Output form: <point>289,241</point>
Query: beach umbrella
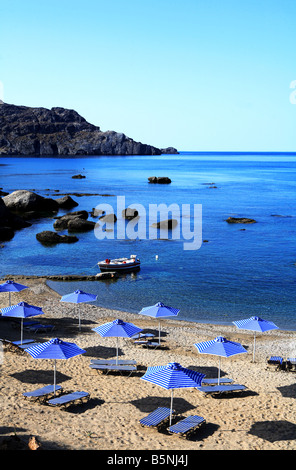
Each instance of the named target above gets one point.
<point>11,286</point>
<point>117,328</point>
<point>172,376</point>
<point>78,297</point>
<point>255,324</point>
<point>55,349</point>
<point>220,347</point>
<point>159,310</point>
<point>21,310</point>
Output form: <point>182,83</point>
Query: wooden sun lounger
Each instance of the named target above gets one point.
<point>42,393</point>
<point>68,399</point>
<point>187,426</point>
<point>114,368</point>
<point>157,418</point>
<point>220,389</point>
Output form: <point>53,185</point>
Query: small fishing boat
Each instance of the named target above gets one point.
<point>120,264</point>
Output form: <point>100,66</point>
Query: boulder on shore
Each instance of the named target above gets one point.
<point>51,238</point>
<point>240,220</point>
<point>159,180</point>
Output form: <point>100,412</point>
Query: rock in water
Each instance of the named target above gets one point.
<point>240,220</point>
<point>57,131</point>
<point>51,238</point>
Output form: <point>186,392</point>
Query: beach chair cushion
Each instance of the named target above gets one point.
<point>68,398</point>
<point>43,391</point>
<point>187,425</point>
<point>156,417</point>
<point>111,362</point>
<point>221,388</point>
<point>215,381</point>
<point>113,367</point>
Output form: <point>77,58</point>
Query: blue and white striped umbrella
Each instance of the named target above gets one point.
<point>172,376</point>
<point>159,310</point>
<point>55,349</point>
<point>119,329</point>
<point>21,310</point>
<point>221,347</point>
<point>11,286</point>
<point>255,324</point>
<point>78,297</point>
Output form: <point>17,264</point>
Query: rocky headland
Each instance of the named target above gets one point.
<point>57,131</point>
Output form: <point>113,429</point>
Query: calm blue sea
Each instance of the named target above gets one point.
<point>233,275</point>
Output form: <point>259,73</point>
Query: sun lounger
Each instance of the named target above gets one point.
<point>223,380</point>
<point>186,426</point>
<point>291,364</point>
<point>42,393</point>
<point>276,361</point>
<point>68,399</point>
<point>221,389</point>
<point>110,362</point>
<point>114,368</point>
<point>147,343</point>
<point>143,336</point>
<point>156,418</point>
<point>17,346</point>
<point>39,327</point>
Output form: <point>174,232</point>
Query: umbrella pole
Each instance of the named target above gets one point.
<point>117,350</point>
<point>171,406</point>
<point>159,333</point>
<point>54,377</point>
<point>22,331</point>
<point>9,300</point>
<point>219,370</point>
<point>254,346</point>
<point>79,317</point>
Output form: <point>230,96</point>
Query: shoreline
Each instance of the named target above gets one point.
<point>261,419</point>
<point>112,275</point>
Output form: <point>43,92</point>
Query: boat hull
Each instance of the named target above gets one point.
<point>123,265</point>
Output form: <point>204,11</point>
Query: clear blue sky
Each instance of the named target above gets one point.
<point>201,75</point>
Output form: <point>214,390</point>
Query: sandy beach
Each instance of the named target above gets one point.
<point>261,418</point>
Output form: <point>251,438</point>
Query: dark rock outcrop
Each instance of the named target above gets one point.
<point>166,224</point>
<point>129,213</point>
<point>66,202</point>
<point>240,220</point>
<point>78,220</point>
<point>51,238</point>
<point>9,222</point>
<point>159,180</point>
<point>169,150</point>
<point>58,131</point>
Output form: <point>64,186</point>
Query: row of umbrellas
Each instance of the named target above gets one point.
<point>158,310</point>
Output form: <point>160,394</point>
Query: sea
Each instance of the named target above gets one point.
<point>224,272</point>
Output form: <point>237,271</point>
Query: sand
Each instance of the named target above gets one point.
<point>262,418</point>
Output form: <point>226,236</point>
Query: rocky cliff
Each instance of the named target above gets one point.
<point>58,131</point>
